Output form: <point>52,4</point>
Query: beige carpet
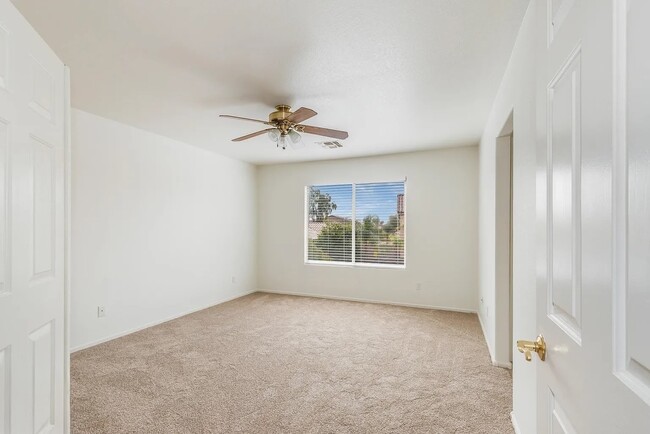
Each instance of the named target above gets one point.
<point>282,364</point>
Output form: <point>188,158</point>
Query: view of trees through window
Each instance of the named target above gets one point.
<point>374,213</point>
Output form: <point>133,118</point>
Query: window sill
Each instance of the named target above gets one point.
<point>355,265</point>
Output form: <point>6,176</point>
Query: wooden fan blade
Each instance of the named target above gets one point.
<point>300,115</point>
<point>251,135</point>
<point>342,135</point>
<point>245,119</point>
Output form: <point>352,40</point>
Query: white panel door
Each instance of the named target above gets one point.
<point>31,230</point>
<point>593,212</point>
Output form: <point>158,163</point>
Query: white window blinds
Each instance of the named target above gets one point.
<point>329,224</point>
<point>356,223</point>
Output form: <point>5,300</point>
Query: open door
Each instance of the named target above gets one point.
<point>32,359</point>
<point>593,209</point>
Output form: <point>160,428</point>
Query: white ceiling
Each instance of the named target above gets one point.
<point>398,75</point>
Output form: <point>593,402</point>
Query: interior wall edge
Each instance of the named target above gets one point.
<point>517,95</point>
<point>488,341</point>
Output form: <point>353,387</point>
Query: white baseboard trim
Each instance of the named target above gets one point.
<point>366,300</point>
<point>157,322</point>
<point>515,424</point>
<point>502,365</point>
<point>490,350</point>
<point>485,336</point>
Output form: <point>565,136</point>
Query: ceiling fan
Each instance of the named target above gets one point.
<point>286,127</point>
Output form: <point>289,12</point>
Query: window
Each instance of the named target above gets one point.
<point>356,223</point>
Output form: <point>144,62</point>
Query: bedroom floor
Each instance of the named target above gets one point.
<point>268,363</point>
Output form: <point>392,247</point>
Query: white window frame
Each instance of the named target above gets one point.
<point>352,264</point>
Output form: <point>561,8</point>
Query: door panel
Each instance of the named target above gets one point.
<point>5,389</point>
<point>559,421</point>
<point>4,53</point>
<point>5,253</point>
<point>42,95</point>
<point>558,10</point>
<point>563,150</point>
<point>31,232</point>
<point>43,207</point>
<point>42,378</point>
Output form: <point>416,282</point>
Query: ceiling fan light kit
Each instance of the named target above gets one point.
<point>292,138</point>
<point>286,127</point>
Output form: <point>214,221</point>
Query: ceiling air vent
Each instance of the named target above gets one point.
<point>330,145</point>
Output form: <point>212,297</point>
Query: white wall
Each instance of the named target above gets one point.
<point>441,229</point>
<point>159,228</point>
<point>517,94</point>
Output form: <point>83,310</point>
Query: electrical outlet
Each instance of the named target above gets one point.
<point>233,280</point>
<point>418,286</point>
<point>101,311</point>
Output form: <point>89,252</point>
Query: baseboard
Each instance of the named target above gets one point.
<point>485,336</point>
<point>489,347</point>
<point>507,365</point>
<point>365,300</point>
<point>157,322</point>
<point>515,424</point>
<point>501,365</point>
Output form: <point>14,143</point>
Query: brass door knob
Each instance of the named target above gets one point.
<point>538,346</point>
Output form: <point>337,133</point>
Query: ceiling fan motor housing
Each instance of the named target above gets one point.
<point>282,112</point>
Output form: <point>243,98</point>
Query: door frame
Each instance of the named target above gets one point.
<point>67,239</point>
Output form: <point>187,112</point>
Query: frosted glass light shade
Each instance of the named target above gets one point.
<point>274,135</point>
<point>294,136</point>
<point>283,141</point>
